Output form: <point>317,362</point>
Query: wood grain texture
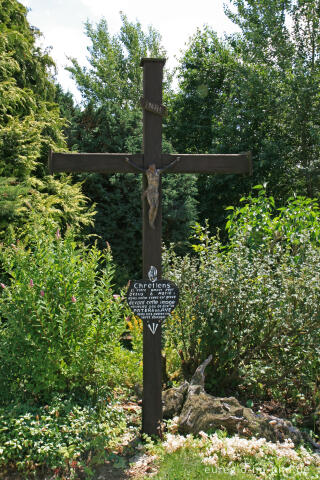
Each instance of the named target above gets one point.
<point>240,163</point>
<point>93,162</point>
<point>210,163</point>
<point>151,249</point>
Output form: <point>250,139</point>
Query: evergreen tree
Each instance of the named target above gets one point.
<point>30,124</point>
<point>70,111</point>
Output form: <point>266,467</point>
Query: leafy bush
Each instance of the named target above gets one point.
<point>62,437</point>
<point>135,326</point>
<point>61,322</point>
<point>262,225</point>
<point>253,304</point>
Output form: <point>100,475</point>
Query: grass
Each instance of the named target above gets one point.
<point>187,465</point>
<point>219,457</point>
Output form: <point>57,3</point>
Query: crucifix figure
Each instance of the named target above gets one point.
<point>152,163</point>
<point>152,191</point>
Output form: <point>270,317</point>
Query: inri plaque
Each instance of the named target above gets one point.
<point>152,300</point>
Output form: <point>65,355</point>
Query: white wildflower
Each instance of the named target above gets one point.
<point>213,460</point>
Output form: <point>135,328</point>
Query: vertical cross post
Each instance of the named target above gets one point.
<point>152,146</point>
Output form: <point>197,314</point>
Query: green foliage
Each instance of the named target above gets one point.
<point>62,438</point>
<point>30,122</point>
<point>135,327</point>
<point>208,73</point>
<point>264,226</point>
<point>257,91</point>
<point>24,204</point>
<point>253,304</point>
<point>205,72</point>
<point>217,456</point>
<point>108,80</point>
<point>12,195</point>
<point>68,110</point>
<point>186,463</point>
<point>135,330</point>
<point>111,88</point>
<point>60,323</point>
<point>21,54</point>
<point>283,38</point>
<point>30,125</point>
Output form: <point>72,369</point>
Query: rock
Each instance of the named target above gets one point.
<point>173,400</point>
<point>199,376</point>
<point>203,412</point>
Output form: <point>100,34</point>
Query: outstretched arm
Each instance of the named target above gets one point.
<point>134,165</point>
<point>170,165</point>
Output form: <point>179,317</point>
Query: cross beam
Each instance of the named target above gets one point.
<point>152,162</point>
<point>117,163</point>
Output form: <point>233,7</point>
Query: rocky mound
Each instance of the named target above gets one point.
<point>198,411</point>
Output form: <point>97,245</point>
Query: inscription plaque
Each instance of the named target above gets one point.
<point>152,300</point>
<point>153,107</point>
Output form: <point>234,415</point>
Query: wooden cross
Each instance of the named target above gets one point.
<point>152,162</point>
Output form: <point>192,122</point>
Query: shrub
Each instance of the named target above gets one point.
<point>262,226</point>
<point>254,304</point>
<point>62,438</point>
<point>60,322</point>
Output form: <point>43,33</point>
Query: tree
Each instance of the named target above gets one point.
<point>69,110</point>
<point>30,124</point>
<point>284,36</point>
<point>204,79</point>
<point>207,75</point>
<point>258,91</point>
<point>111,121</point>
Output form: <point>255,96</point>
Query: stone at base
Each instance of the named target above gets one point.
<point>203,412</point>
<point>173,400</point>
<point>198,411</point>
